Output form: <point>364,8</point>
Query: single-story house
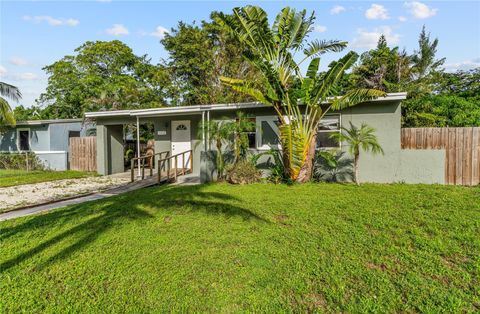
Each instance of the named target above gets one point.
<point>48,139</point>
<point>177,130</point>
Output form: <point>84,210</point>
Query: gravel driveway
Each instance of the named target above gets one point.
<point>38,193</point>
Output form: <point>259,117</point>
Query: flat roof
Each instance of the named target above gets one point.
<point>52,121</point>
<point>166,111</point>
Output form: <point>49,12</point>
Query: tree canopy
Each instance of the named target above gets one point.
<point>102,75</point>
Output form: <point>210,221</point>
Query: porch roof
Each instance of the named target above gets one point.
<point>198,109</point>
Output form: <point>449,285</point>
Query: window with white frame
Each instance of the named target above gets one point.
<point>268,134</point>
<point>23,139</point>
<point>329,125</point>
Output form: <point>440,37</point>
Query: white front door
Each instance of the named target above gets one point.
<point>181,142</point>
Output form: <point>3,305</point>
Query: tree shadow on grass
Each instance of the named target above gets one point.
<point>97,217</point>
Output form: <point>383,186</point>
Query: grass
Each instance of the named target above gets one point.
<point>253,248</point>
<point>18,177</point>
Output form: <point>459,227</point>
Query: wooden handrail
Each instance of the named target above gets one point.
<point>143,158</point>
<point>161,164</point>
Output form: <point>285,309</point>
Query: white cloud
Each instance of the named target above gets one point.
<point>320,28</point>
<point>3,71</point>
<point>420,10</point>
<point>464,65</point>
<point>18,61</point>
<point>159,32</point>
<point>27,76</point>
<point>337,9</point>
<point>402,18</point>
<point>369,39</point>
<point>51,20</point>
<point>117,30</point>
<point>377,12</point>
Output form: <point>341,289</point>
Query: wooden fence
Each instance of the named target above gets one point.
<point>462,147</point>
<point>83,153</point>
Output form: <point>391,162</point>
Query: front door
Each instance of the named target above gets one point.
<point>181,142</point>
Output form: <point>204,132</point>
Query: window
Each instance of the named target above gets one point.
<point>267,132</point>
<point>330,124</point>
<point>23,139</point>
<point>181,127</point>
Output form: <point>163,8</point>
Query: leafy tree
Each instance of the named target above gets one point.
<point>357,139</point>
<point>199,55</point>
<point>13,93</point>
<point>300,102</point>
<point>441,111</point>
<point>461,83</point>
<point>383,68</point>
<point>102,75</point>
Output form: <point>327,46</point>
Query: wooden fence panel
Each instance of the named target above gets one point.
<point>462,150</point>
<point>83,153</point>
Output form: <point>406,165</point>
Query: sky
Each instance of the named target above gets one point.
<point>34,34</point>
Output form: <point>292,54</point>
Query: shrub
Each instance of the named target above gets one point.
<point>243,172</point>
<point>21,161</point>
<point>332,167</point>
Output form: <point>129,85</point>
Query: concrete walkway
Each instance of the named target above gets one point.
<point>149,181</point>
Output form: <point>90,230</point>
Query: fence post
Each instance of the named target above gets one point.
<point>151,160</point>
<point>159,170</point>
<point>191,162</point>
<point>26,160</point>
<point>143,168</point>
<point>176,164</point>
<point>183,163</point>
<point>168,170</point>
<point>132,170</point>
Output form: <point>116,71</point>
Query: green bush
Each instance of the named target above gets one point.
<point>21,161</point>
<point>243,172</point>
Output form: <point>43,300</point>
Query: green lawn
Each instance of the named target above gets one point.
<point>254,248</point>
<point>17,177</point>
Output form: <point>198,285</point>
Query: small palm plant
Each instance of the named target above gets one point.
<point>239,130</point>
<point>6,114</point>
<point>219,134</point>
<point>359,138</point>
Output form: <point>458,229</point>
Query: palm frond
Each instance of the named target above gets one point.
<point>319,47</point>
<point>10,91</point>
<point>6,114</point>
<point>245,87</point>
<point>356,96</point>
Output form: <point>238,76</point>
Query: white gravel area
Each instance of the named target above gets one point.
<point>38,193</point>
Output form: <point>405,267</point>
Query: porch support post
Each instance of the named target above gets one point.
<point>138,144</point>
<point>208,130</point>
<point>203,130</point>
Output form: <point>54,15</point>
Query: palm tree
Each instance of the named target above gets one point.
<point>6,114</point>
<point>300,102</point>
<point>359,138</point>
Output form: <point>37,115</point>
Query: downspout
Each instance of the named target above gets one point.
<point>138,144</point>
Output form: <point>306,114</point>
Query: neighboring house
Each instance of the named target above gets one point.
<point>48,139</point>
<point>176,130</point>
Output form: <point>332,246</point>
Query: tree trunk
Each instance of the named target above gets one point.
<point>306,171</point>
<point>355,167</point>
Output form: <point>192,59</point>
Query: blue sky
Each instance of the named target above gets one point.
<point>37,33</point>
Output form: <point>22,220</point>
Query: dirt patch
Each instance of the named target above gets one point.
<point>39,193</point>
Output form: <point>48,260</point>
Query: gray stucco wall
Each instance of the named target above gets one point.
<point>396,165</point>
<point>49,141</point>
<point>59,135</point>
